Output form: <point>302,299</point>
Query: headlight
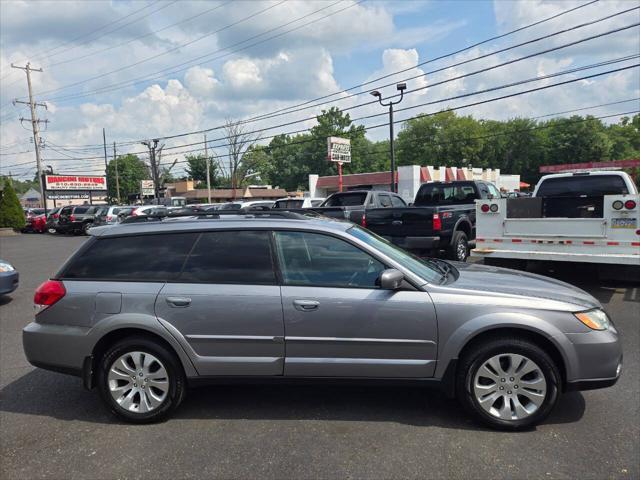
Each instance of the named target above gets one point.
<point>594,319</point>
<point>6,267</point>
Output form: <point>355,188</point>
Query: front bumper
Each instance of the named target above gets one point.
<point>596,360</point>
<point>9,281</point>
<point>60,348</point>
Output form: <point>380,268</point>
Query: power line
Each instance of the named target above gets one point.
<point>73,40</point>
<point>519,29</point>
<point>102,75</point>
<point>511,95</point>
<point>466,139</point>
<point>153,32</point>
<point>448,80</point>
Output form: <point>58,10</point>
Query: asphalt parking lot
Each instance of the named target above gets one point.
<point>50,427</point>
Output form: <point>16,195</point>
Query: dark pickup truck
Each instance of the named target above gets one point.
<point>76,219</point>
<point>354,205</point>
<point>442,218</point>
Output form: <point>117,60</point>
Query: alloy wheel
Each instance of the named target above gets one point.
<point>138,382</point>
<point>509,386</point>
<point>461,250</point>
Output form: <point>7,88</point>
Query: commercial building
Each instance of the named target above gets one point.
<point>409,178</point>
<point>220,195</point>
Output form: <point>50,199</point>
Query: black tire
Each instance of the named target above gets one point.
<point>459,248</point>
<point>475,358</point>
<point>85,228</point>
<point>175,373</point>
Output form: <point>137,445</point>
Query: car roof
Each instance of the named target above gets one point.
<point>189,224</point>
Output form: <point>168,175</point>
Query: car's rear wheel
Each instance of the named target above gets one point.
<point>459,249</point>
<point>508,383</point>
<point>140,381</point>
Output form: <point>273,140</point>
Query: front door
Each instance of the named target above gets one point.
<point>226,305</point>
<point>339,323</point>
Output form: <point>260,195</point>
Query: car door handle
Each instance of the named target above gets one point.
<point>306,305</point>
<point>178,302</point>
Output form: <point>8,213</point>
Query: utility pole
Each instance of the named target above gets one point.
<point>401,88</point>
<point>35,126</point>
<point>152,145</point>
<point>206,156</point>
<point>104,142</point>
<point>115,159</point>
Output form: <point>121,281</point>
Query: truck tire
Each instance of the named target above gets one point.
<point>459,248</point>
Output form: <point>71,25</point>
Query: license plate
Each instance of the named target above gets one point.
<point>623,223</point>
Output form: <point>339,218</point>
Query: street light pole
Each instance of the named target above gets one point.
<point>400,87</point>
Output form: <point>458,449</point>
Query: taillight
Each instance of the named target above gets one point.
<point>134,213</point>
<point>617,205</point>
<point>363,222</point>
<point>109,218</point>
<point>49,293</point>
<point>484,208</point>
<point>629,204</point>
<point>72,218</point>
<point>437,223</point>
<point>55,215</point>
<point>493,207</point>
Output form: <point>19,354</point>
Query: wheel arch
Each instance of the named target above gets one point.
<point>448,369</point>
<point>117,334</point>
<point>463,225</point>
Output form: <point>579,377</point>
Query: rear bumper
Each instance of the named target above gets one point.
<point>56,347</point>
<point>9,281</point>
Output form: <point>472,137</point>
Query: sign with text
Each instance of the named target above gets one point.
<point>75,182</point>
<point>146,188</point>
<point>65,195</point>
<point>339,149</point>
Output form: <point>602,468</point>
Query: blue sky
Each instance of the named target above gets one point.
<point>345,43</point>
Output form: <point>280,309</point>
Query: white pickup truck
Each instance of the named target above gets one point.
<point>591,217</point>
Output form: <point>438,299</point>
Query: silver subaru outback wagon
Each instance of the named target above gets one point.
<point>142,311</point>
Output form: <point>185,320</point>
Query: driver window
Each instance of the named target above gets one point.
<point>324,261</point>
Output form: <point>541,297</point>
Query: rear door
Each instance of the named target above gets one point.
<point>339,323</point>
<point>226,305</point>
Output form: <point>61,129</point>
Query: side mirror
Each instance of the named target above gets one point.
<point>391,279</point>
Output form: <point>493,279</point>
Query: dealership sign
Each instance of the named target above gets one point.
<point>339,150</point>
<point>75,182</point>
<point>65,195</point>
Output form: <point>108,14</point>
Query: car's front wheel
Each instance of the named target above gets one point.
<point>140,381</point>
<point>508,383</point>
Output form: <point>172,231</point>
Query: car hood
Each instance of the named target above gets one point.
<point>519,286</point>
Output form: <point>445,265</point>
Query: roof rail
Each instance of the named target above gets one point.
<point>217,214</point>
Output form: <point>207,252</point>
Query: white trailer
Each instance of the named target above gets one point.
<point>613,237</point>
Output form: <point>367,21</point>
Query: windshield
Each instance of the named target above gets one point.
<point>410,262</point>
<point>346,199</point>
<point>445,194</point>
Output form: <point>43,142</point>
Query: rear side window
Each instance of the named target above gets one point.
<point>346,200</point>
<point>152,258</point>
<point>80,210</point>
<point>587,185</point>
<point>385,201</point>
<point>288,204</point>
<point>445,194</point>
<point>231,257</point>
<point>397,202</point>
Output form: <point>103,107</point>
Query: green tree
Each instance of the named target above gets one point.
<point>130,171</point>
<point>11,213</point>
<point>197,169</point>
